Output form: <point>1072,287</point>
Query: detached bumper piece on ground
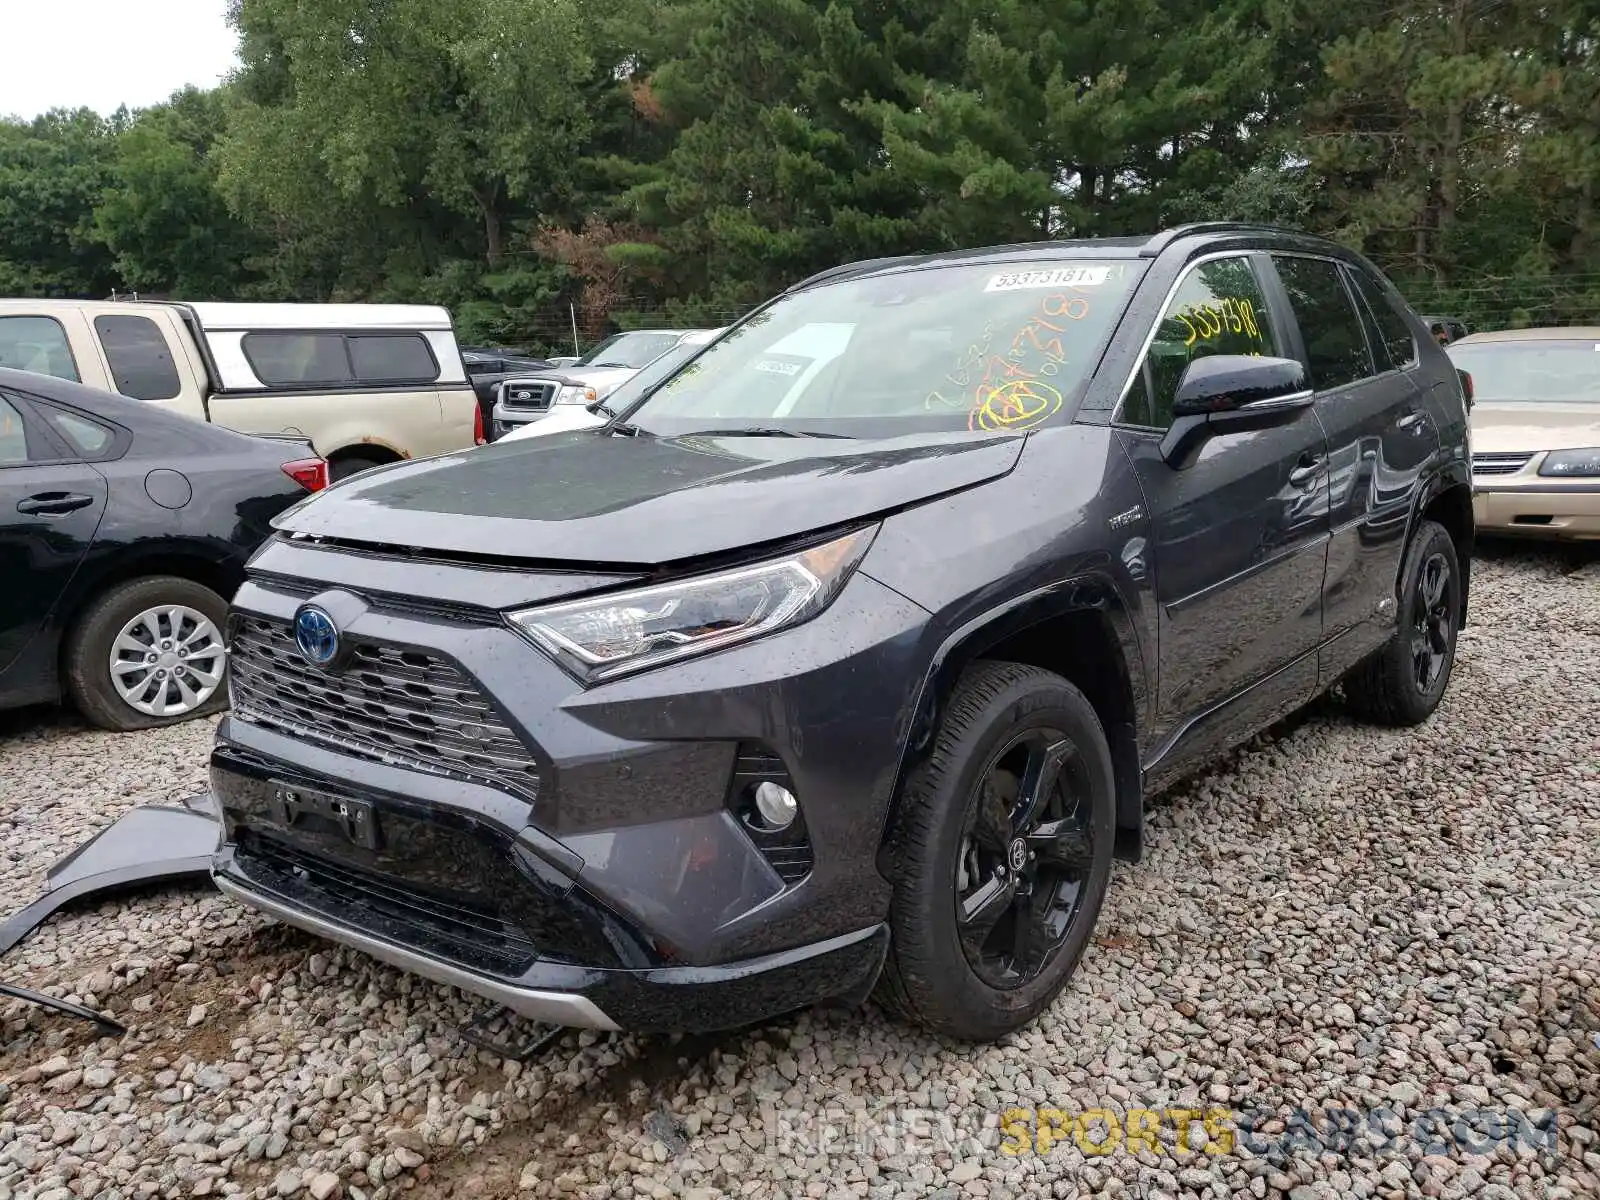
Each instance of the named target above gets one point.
<point>145,846</point>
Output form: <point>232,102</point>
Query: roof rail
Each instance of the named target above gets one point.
<point>852,268</point>
<point>1166,237</point>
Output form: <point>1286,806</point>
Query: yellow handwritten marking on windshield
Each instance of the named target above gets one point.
<point>1014,405</point>
<point>1208,321</point>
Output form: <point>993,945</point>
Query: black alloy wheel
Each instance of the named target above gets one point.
<point>1026,856</point>
<point>1404,681</point>
<point>1000,848</point>
<point>1433,622</point>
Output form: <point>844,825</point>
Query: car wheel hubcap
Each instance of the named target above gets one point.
<point>1025,858</point>
<point>1432,623</point>
<point>167,661</point>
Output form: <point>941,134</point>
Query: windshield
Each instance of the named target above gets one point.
<point>632,350</point>
<point>982,348</point>
<point>1541,372</point>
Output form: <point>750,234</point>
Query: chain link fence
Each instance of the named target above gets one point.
<point>1510,303</point>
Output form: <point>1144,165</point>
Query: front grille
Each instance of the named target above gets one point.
<point>534,395</point>
<point>466,930</point>
<point>1499,464</point>
<point>396,706</point>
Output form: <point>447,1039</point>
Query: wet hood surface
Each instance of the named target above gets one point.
<point>593,498</point>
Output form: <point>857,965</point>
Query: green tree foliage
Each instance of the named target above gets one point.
<point>162,217</point>
<point>53,172</point>
<point>509,158</point>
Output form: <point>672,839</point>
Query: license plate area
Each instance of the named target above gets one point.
<point>294,807</point>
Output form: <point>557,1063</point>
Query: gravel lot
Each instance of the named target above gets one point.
<point>1337,917</point>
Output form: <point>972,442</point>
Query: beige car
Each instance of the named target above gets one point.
<point>1535,430</point>
<point>366,383</point>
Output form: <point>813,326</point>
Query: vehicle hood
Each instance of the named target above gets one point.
<point>1530,428</point>
<point>561,418</point>
<point>602,379</point>
<point>595,498</point>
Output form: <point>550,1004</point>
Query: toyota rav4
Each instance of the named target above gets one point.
<point>840,662</point>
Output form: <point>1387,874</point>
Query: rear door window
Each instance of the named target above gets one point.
<point>1395,340</point>
<point>1330,327</point>
<point>36,344</point>
<point>139,357</point>
<point>88,438</point>
<point>13,435</point>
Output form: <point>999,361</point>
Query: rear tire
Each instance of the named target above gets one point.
<point>1403,683</point>
<point>968,844</point>
<point>347,465</point>
<point>169,613</point>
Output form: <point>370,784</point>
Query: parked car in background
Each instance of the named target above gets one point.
<point>846,658</point>
<point>366,384</point>
<point>124,530</point>
<point>564,417</point>
<point>525,398</point>
<point>1535,430</point>
<point>488,367</point>
<point>1446,330</point>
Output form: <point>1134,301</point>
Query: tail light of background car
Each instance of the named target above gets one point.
<point>477,425</point>
<point>1466,385</point>
<point>309,473</point>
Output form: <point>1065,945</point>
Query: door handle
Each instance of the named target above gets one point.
<point>1412,420</point>
<point>54,504</point>
<point>1308,472</point>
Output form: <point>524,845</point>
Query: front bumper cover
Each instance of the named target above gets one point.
<point>1532,511</point>
<point>666,999</point>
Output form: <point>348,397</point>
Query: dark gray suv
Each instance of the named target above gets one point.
<point>841,660</point>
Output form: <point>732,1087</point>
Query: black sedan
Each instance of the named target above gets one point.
<point>124,530</point>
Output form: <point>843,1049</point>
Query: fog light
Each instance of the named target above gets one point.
<point>777,805</point>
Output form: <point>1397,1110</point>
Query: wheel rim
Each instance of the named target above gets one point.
<point>167,661</point>
<point>1432,623</point>
<point>1025,859</point>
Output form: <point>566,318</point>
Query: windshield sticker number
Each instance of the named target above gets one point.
<point>773,366</point>
<point>1054,277</point>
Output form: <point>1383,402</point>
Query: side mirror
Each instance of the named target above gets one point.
<point>1232,393</point>
<point>1225,383</point>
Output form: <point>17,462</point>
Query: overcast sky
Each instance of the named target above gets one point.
<point>103,53</point>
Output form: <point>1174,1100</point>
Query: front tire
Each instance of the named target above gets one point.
<point>149,653</point>
<point>1003,851</point>
<point>1404,682</point>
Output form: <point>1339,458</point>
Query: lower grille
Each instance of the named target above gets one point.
<point>788,850</point>
<point>534,396</point>
<point>464,930</point>
<point>388,704</point>
<point>1499,464</point>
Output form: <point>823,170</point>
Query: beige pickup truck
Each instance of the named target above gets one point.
<point>365,383</point>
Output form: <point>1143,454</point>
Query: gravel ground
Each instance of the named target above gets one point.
<point>1381,923</point>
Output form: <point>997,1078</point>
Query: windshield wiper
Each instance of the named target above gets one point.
<point>764,431</point>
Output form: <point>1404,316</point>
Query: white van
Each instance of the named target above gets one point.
<point>365,383</point>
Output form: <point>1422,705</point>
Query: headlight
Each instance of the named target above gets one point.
<point>1573,464</point>
<point>573,393</point>
<point>633,631</point>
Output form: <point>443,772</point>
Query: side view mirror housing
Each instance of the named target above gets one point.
<point>1232,393</point>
